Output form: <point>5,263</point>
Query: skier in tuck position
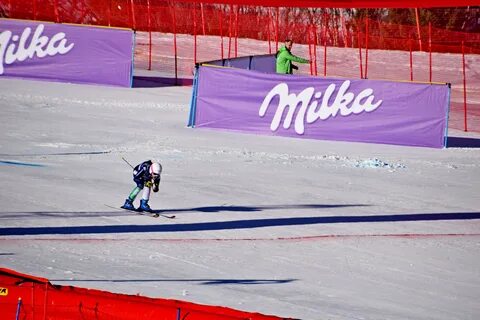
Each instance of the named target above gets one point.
<point>146,174</point>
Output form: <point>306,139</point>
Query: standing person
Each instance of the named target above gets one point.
<point>285,58</point>
<point>146,174</point>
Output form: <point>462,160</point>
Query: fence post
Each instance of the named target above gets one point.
<point>55,9</point>
<point>109,13</point>
<point>236,30</point>
<point>430,47</point>
<point>276,29</point>
<point>268,32</point>
<point>315,42</point>
<point>175,42</point>
<point>203,18</point>
<point>366,47</point>
<point>220,19</point>
<point>309,30</point>
<point>359,39</point>
<point>325,49</point>
<point>132,10</point>
<point>230,30</point>
<point>411,57</point>
<point>149,37</point>
<point>464,89</point>
<point>418,30</point>
<point>194,33</point>
<point>344,30</point>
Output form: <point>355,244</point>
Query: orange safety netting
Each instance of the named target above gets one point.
<point>174,35</point>
<point>335,27</point>
<point>24,296</point>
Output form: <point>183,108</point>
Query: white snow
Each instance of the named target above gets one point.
<point>290,227</point>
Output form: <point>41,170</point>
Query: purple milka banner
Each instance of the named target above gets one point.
<point>67,53</point>
<point>401,113</point>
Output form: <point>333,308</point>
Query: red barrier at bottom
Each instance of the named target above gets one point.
<point>29,298</point>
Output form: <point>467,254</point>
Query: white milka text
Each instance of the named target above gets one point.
<point>15,48</point>
<point>345,102</point>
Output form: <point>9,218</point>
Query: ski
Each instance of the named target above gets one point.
<point>152,214</point>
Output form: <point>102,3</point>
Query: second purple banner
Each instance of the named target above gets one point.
<point>401,113</point>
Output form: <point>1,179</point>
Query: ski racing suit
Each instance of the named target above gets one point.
<point>143,178</point>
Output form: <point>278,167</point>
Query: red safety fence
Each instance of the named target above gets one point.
<point>336,27</point>
<point>28,297</point>
<point>174,35</point>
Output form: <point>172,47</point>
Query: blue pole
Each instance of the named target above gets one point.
<point>133,58</point>
<point>193,102</point>
<point>445,139</point>
<point>19,305</point>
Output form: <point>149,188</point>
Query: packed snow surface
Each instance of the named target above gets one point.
<point>291,227</point>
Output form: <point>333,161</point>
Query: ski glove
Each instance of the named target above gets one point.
<point>148,184</point>
<point>156,182</point>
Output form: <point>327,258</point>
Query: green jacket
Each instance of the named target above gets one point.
<point>284,61</point>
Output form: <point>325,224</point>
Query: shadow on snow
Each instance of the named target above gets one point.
<point>235,224</point>
<point>157,82</point>
<point>201,281</point>
<point>462,142</point>
<point>121,212</point>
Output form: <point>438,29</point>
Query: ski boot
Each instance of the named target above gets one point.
<point>144,206</point>
<point>128,205</point>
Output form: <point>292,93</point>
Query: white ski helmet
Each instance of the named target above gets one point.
<point>155,169</point>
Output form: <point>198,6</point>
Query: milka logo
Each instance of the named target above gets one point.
<point>345,102</point>
<point>14,48</point>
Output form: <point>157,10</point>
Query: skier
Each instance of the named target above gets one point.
<point>146,174</point>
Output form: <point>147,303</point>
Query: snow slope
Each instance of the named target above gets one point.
<point>291,227</point>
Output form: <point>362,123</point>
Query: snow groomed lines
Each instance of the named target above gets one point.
<point>302,238</point>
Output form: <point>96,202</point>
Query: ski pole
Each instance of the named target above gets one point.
<point>127,162</point>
